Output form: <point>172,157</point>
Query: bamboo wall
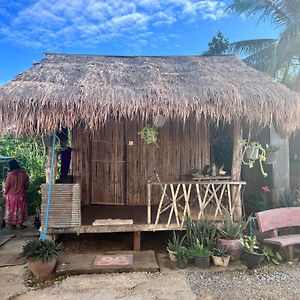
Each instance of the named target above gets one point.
<point>114,165</point>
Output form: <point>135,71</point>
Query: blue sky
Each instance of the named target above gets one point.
<point>118,27</point>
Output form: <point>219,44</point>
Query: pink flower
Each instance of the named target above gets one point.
<point>265,189</point>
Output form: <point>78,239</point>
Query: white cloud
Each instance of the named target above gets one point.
<point>52,24</point>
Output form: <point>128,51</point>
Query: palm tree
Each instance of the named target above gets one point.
<point>279,57</point>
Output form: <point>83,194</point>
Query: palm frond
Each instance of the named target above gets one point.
<point>278,12</point>
<point>291,34</point>
<point>249,47</point>
<point>263,60</point>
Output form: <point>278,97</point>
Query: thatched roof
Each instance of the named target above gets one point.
<point>64,89</point>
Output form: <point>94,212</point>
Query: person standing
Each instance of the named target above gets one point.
<point>16,186</point>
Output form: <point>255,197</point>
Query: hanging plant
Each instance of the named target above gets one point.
<point>149,135</point>
<point>252,152</point>
<point>271,154</point>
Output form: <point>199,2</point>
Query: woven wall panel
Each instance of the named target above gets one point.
<point>64,206</point>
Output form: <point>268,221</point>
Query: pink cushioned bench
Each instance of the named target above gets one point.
<point>273,219</point>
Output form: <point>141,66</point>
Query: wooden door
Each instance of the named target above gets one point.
<point>108,165</point>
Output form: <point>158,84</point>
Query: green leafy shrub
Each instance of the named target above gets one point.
<point>32,157</point>
<point>271,256</point>
<point>199,250</point>
<point>41,250</point>
<point>289,199</point>
<point>182,254</point>
<point>250,243</point>
<point>201,231</point>
<point>149,135</point>
<point>231,231</point>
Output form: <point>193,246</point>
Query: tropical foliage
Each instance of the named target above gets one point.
<point>279,57</point>
<point>41,250</point>
<point>31,155</point>
<point>218,45</point>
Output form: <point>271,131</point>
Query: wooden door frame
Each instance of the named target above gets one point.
<point>90,181</point>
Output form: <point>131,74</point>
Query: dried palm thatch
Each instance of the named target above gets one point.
<point>63,90</point>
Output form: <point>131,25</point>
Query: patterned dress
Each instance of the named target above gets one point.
<point>16,186</point>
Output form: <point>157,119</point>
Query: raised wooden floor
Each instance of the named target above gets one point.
<point>138,214</point>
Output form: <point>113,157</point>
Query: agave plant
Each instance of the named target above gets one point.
<point>201,231</point>
<point>41,250</point>
<point>231,231</point>
<point>221,251</point>
<point>175,243</point>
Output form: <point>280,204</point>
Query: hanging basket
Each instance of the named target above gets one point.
<point>251,153</point>
<point>271,158</point>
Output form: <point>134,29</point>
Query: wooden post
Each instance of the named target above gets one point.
<point>137,241</point>
<point>149,203</point>
<point>236,166</point>
<point>48,165</point>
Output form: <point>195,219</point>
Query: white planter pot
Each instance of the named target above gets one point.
<point>172,256</point>
<point>221,261</point>
<point>252,153</point>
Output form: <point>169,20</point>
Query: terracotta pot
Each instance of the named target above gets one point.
<point>42,269</point>
<point>234,248</point>
<point>221,261</point>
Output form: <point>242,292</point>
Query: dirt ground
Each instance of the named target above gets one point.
<point>266,283</point>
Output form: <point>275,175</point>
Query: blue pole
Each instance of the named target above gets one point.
<point>44,233</point>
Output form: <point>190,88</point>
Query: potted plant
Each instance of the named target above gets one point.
<point>201,255</point>
<point>220,256</point>
<point>41,257</point>
<point>271,156</point>
<point>252,150</point>
<point>201,231</point>
<point>182,255</point>
<point>231,237</point>
<point>252,255</point>
<point>173,246</point>
<point>149,135</point>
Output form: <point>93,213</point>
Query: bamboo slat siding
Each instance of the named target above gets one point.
<point>121,163</point>
<point>80,162</point>
<point>64,206</point>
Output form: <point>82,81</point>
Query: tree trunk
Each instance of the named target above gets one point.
<point>236,166</point>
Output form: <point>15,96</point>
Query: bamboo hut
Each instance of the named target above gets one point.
<point>105,101</point>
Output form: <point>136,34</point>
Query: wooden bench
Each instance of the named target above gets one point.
<point>273,219</point>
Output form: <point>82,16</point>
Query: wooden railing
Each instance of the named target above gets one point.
<point>177,200</point>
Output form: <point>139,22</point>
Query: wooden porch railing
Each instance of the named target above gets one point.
<point>178,199</point>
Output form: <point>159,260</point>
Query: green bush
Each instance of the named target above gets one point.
<point>30,153</point>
